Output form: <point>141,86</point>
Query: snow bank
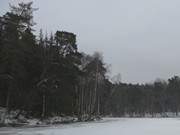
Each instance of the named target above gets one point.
<point>10,118</point>
<point>154,115</point>
<point>13,118</point>
<point>111,126</point>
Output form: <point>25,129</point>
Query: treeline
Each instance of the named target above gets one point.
<point>160,97</point>
<point>47,75</point>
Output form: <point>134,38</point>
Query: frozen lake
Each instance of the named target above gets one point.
<point>109,126</point>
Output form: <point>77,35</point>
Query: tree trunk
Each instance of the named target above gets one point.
<point>95,88</point>
<point>43,105</point>
<point>98,107</point>
<point>7,100</point>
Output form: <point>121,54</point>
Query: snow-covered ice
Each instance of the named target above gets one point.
<point>108,126</point>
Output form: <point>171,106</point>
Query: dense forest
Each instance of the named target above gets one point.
<point>46,75</point>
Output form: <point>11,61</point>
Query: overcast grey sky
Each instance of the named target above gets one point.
<point>139,38</point>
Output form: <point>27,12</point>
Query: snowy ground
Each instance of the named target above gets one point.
<point>109,126</point>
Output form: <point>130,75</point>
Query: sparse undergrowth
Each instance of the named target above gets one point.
<point>14,119</point>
